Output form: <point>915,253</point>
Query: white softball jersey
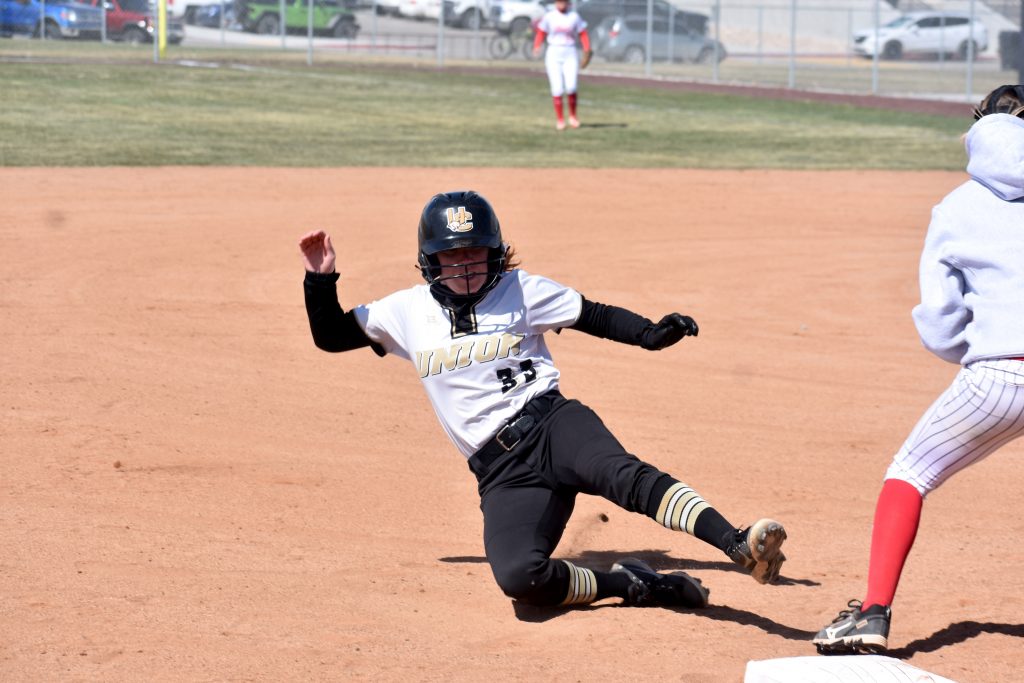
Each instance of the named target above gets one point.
<point>476,382</point>
<point>562,27</point>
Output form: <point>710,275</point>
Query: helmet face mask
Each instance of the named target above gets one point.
<point>455,277</point>
<point>459,220</point>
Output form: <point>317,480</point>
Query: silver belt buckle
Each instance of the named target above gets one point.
<point>501,442</point>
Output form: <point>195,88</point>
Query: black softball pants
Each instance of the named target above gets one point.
<point>527,495</point>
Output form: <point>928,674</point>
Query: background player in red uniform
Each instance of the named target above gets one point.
<point>561,27</point>
<point>971,313</point>
<point>475,335</point>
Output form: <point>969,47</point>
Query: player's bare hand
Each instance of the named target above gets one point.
<point>668,331</point>
<point>317,252</point>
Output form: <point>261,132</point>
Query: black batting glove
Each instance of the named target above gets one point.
<point>668,331</point>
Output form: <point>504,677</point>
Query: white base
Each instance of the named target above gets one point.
<point>837,669</point>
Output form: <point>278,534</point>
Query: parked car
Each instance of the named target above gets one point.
<point>387,7</point>
<point>329,17</point>
<point>131,21</point>
<point>209,16</point>
<point>923,33</point>
<point>467,13</point>
<point>419,9</point>
<point>516,16</point>
<point>624,39</point>
<point>57,19</point>
<point>186,10</point>
<point>595,11</point>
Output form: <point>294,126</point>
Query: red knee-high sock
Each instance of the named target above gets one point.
<point>572,105</point>
<point>558,108</point>
<point>897,516</point>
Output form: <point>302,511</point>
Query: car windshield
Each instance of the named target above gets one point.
<point>140,6</point>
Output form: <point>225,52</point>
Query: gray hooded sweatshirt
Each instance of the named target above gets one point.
<point>972,266</point>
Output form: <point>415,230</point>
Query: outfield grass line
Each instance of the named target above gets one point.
<point>284,114</point>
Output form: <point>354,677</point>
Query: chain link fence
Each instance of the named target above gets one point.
<point>953,50</point>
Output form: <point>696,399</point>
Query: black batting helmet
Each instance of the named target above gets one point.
<point>455,220</point>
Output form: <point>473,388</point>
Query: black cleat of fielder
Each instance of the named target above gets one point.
<point>855,631</point>
<point>651,589</point>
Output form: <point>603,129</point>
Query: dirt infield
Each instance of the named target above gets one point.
<point>191,491</point>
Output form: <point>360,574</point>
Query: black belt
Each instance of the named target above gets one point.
<point>514,431</point>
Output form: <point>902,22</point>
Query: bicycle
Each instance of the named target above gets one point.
<point>504,45</point>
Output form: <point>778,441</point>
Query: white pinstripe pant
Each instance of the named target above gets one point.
<point>980,412</point>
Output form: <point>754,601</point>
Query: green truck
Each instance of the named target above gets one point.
<point>330,17</point>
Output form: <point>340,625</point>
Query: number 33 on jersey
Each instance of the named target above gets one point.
<point>481,368</point>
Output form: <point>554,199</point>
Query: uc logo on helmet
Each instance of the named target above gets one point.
<point>459,220</point>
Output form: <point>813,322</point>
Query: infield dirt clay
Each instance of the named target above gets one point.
<point>191,491</point>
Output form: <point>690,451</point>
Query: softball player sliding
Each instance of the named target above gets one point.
<point>971,313</point>
<point>560,27</point>
<point>475,336</point>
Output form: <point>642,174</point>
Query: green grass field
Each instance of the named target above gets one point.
<point>76,104</point>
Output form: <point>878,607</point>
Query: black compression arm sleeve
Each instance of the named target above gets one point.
<point>333,329</point>
<point>612,322</point>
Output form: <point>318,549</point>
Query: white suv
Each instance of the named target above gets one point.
<point>516,16</point>
<point>419,9</point>
<point>924,33</point>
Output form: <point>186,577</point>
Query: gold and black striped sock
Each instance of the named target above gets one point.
<point>681,508</point>
<point>582,585</point>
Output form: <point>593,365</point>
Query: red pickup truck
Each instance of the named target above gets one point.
<point>132,21</point>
